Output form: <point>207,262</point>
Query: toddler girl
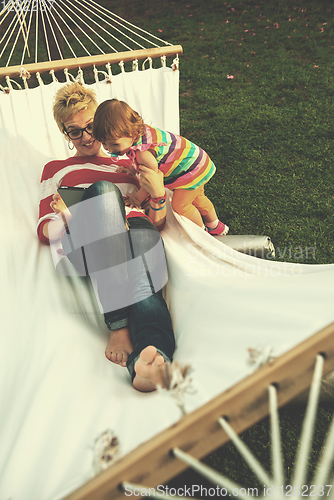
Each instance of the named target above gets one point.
<point>185,166</point>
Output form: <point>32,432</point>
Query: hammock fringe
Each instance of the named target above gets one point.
<point>99,60</point>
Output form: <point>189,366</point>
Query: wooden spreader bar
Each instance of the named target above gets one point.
<point>199,432</point>
<point>84,62</point>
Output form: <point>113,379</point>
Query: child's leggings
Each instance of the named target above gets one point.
<point>186,201</point>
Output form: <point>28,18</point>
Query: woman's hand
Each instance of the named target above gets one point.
<point>54,231</point>
<point>57,204</point>
<point>151,181</point>
<point>59,207</point>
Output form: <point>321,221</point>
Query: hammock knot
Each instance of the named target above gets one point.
<point>96,72</point>
<point>150,61</point>
<point>80,77</point>
<point>121,65</point>
<point>6,90</point>
<point>68,80</point>
<point>9,82</point>
<point>106,448</point>
<point>52,73</point>
<point>163,61</point>
<point>259,356</point>
<point>39,79</point>
<point>109,77</point>
<point>175,65</point>
<point>24,74</point>
<point>135,65</point>
<point>179,383</point>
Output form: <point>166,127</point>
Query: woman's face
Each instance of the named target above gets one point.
<point>85,145</point>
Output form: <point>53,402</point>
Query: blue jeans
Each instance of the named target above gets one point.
<point>129,267</point>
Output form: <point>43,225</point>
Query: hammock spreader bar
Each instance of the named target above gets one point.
<point>85,62</point>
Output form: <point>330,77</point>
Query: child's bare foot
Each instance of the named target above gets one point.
<point>119,346</point>
<point>150,370</point>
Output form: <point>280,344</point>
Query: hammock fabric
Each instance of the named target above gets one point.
<point>58,391</point>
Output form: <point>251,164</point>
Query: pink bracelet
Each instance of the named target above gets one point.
<point>160,200</point>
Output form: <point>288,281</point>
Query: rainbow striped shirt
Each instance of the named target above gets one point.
<point>184,165</point>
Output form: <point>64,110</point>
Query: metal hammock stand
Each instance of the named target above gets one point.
<point>240,407</point>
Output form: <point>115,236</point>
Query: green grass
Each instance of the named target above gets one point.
<point>269,130</point>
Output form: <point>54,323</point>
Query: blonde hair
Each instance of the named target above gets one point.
<point>115,119</point>
<point>70,100</point>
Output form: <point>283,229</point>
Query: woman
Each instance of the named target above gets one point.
<point>123,251</point>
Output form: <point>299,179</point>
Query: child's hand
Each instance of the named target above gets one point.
<point>132,201</point>
<point>126,170</point>
<point>121,170</point>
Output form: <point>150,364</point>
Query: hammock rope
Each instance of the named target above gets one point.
<point>276,449</point>
<point>82,30</point>
<point>245,452</point>
<point>121,32</point>
<point>5,37</point>
<point>59,18</point>
<point>22,28</point>
<point>153,37</point>
<point>26,46</point>
<point>308,425</point>
<point>73,34</point>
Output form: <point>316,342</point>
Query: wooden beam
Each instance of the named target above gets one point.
<point>84,62</point>
<point>199,433</point>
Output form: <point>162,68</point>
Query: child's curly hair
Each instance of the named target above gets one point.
<point>115,119</point>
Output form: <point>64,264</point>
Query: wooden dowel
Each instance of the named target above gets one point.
<point>84,62</point>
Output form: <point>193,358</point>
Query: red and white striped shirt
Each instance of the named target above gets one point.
<point>81,172</point>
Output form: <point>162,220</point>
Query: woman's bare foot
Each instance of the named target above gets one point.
<point>151,370</point>
<point>119,346</point>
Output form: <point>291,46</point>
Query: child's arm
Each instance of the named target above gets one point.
<point>147,159</point>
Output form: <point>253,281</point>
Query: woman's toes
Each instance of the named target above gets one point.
<point>159,360</point>
<point>119,346</point>
<point>148,354</point>
<point>121,358</point>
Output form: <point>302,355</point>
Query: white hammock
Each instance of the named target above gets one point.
<point>59,392</point>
